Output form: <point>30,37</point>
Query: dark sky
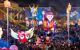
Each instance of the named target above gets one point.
<point>57,5</point>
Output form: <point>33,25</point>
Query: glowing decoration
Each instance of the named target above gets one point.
<point>1,32</point>
<point>39,16</point>
<point>14,34</point>
<point>48,22</point>
<point>7,4</point>
<point>13,47</point>
<point>34,10</point>
<point>49,15</point>
<point>73,13</point>
<point>23,36</point>
<point>48,26</point>
<point>30,32</point>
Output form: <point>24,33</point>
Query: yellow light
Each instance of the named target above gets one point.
<point>7,4</point>
<point>69,8</point>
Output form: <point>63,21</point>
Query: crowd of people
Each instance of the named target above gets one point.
<point>43,40</point>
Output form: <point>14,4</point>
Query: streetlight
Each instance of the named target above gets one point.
<point>1,32</point>
<point>68,19</point>
<point>7,5</point>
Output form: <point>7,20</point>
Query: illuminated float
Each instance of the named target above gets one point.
<point>23,36</point>
<point>48,22</point>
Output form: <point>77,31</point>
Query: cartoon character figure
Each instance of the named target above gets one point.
<point>48,21</point>
<point>23,36</point>
<point>39,16</point>
<point>33,10</point>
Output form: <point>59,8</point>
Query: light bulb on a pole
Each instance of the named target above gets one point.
<point>68,18</point>
<point>69,8</point>
<point>7,5</point>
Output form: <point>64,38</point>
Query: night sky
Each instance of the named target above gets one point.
<point>57,5</point>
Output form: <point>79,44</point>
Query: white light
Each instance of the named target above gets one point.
<point>1,32</point>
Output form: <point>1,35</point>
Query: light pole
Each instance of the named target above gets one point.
<point>7,5</point>
<point>68,18</point>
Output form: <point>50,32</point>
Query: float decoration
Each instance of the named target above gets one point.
<point>48,21</point>
<point>49,16</point>
<point>33,10</point>
<point>23,36</point>
<point>39,16</point>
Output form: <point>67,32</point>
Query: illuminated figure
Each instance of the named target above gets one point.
<point>48,21</point>
<point>33,10</point>
<point>23,36</point>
